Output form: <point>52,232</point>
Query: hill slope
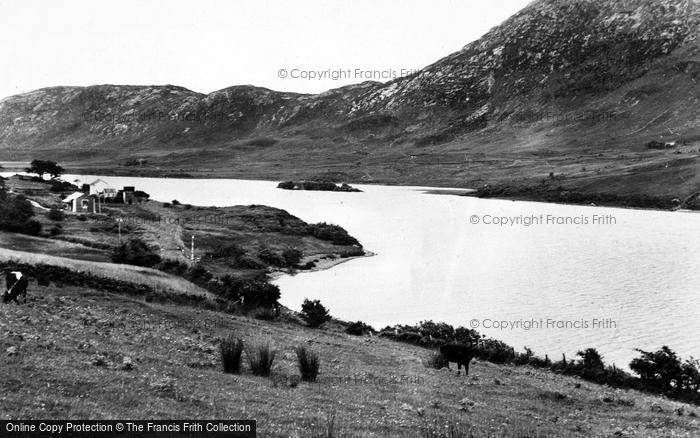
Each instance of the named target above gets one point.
<point>63,354</point>
<point>575,88</point>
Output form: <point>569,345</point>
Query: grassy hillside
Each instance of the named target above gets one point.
<point>132,274</point>
<point>64,356</point>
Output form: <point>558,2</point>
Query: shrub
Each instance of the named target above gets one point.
<point>231,352</point>
<point>271,258</point>
<point>55,215</point>
<point>16,214</point>
<point>258,293</point>
<point>287,185</point>
<point>435,360</point>
<point>314,313</point>
<point>359,328</point>
<point>333,233</point>
<point>592,366</point>
<point>135,252</point>
<point>661,369</point>
<point>253,293</point>
<point>175,202</point>
<point>171,266</point>
<point>198,275</point>
<point>307,266</point>
<point>55,230</point>
<point>309,364</point>
<point>260,359</point>
<point>410,338</point>
<point>691,374</point>
<point>291,256</point>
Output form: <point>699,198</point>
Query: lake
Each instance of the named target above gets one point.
<point>555,278</point>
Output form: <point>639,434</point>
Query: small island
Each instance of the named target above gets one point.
<point>324,186</point>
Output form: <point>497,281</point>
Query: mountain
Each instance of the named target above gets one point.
<point>563,94</point>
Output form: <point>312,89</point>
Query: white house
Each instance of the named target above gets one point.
<point>80,202</point>
<point>98,187</point>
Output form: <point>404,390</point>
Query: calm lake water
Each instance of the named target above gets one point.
<point>629,280</point>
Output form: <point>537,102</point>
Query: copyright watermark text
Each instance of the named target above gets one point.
<point>542,219</point>
<point>341,74</point>
<point>544,324</point>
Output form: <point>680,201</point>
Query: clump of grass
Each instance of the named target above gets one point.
<point>309,364</point>
<point>231,352</point>
<point>435,360</point>
<point>260,357</point>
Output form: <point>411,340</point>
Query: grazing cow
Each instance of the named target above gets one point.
<point>16,286</point>
<point>460,353</point>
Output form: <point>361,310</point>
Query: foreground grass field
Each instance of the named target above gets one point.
<point>81,353</point>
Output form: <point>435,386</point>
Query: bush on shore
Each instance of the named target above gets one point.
<point>659,372</point>
<point>314,313</point>
<point>333,233</point>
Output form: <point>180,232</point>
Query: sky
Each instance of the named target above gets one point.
<point>306,46</point>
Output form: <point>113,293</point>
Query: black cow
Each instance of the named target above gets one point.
<point>16,286</point>
<point>460,353</point>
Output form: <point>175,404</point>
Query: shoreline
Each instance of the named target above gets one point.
<point>526,193</point>
<point>522,193</point>
<point>322,264</point>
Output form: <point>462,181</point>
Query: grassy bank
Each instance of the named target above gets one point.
<point>64,356</point>
<point>550,192</point>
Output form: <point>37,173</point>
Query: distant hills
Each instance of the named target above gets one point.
<point>565,94</point>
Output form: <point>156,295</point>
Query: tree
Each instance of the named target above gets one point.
<point>41,167</point>
<point>661,368</point>
<point>591,359</point>
<point>592,365</point>
<point>16,214</point>
<point>314,313</point>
